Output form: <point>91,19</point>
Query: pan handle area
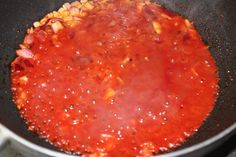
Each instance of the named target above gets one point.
<point>3,137</point>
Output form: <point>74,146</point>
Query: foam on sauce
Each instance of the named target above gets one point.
<point>127,80</point>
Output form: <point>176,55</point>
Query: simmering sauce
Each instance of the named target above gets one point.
<point>130,79</point>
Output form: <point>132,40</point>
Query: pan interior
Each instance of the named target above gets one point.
<point>214,20</point>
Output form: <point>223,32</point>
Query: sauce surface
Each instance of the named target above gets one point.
<point>131,79</point>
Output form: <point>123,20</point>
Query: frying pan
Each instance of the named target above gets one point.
<point>214,19</point>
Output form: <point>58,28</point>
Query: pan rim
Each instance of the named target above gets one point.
<point>11,136</point>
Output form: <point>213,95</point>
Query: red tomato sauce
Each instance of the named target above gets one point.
<point>125,81</point>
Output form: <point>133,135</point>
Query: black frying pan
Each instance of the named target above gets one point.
<point>215,21</point>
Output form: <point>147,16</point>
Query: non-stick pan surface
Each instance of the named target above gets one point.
<point>214,19</point>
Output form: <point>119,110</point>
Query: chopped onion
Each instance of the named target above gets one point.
<point>67,6</point>
<point>41,35</point>
<point>56,26</point>
<point>25,53</point>
<point>109,93</point>
<point>157,27</point>
<point>74,11</point>
<point>55,19</point>
<point>29,39</point>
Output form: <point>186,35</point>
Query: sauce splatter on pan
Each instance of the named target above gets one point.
<point>114,78</point>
